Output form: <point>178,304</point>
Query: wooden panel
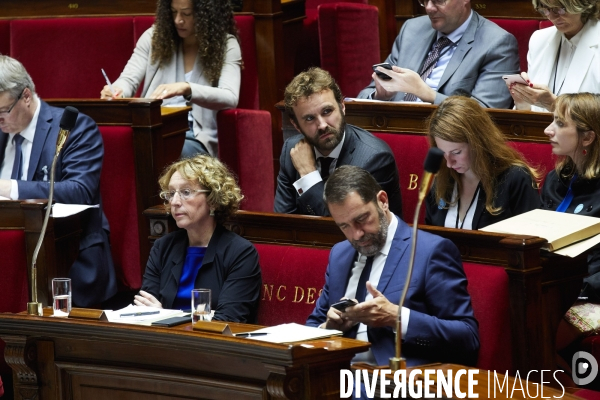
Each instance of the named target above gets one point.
<point>75,359</point>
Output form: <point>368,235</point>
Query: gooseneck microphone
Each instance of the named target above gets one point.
<point>431,167</point>
<point>67,122</point>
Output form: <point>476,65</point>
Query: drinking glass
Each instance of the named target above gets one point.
<point>200,305</point>
<point>61,292</point>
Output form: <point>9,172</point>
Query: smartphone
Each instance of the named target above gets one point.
<point>173,321</point>
<point>515,78</point>
<point>380,74</point>
<point>341,305</point>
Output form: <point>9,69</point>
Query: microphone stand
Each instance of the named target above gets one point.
<point>432,165</point>
<point>34,307</point>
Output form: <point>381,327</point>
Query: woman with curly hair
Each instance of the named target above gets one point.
<point>483,180</point>
<point>190,54</point>
<point>200,193</point>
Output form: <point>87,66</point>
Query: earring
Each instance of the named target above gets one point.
<point>212,212</point>
<point>584,152</point>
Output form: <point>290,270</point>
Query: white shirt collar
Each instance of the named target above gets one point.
<point>29,132</point>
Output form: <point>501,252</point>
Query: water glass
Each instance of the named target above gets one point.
<point>200,305</point>
<point>61,292</point>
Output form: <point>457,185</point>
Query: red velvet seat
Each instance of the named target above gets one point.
<point>538,155</point>
<point>119,201</point>
<point>4,37</point>
<point>292,281</point>
<point>349,44</point>
<point>308,54</point>
<point>64,55</point>
<point>488,287</point>
<point>522,29</point>
<point>410,152</point>
<point>14,293</point>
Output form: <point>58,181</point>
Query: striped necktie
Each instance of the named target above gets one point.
<point>430,62</point>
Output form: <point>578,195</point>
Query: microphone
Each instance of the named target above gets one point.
<point>67,122</point>
<point>431,167</point>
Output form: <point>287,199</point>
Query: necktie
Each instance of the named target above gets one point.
<point>17,170</point>
<point>325,165</point>
<point>429,64</point>
<point>361,291</point>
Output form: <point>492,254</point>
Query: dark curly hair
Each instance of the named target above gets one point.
<point>213,21</point>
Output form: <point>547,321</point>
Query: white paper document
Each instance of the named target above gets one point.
<point>287,333</point>
<point>140,315</point>
<point>60,210</point>
<point>577,248</point>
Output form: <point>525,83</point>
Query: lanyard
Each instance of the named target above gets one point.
<point>562,207</point>
<point>470,205</point>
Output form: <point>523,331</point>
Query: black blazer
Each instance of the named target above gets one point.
<point>514,193</point>
<point>586,201</point>
<point>361,149</point>
<point>230,270</point>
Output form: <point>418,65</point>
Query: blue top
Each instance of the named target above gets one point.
<point>193,263</point>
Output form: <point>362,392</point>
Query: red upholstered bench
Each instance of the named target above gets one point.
<point>349,43</point>
<point>4,37</point>
<point>69,52</point>
<point>409,151</point>
<point>293,278</point>
<point>488,287</point>
<point>119,201</point>
<point>522,29</point>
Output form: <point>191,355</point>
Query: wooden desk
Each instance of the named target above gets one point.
<point>56,358</point>
<point>542,285</point>
<point>61,242</point>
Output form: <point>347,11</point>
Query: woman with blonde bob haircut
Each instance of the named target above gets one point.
<point>200,193</point>
<point>483,180</point>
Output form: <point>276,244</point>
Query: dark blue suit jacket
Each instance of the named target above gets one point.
<point>441,325</point>
<point>360,148</point>
<point>77,182</point>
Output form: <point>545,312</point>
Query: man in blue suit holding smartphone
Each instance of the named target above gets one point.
<point>371,266</point>
<point>29,128</point>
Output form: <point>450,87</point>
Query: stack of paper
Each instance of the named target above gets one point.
<point>140,315</point>
<point>287,333</point>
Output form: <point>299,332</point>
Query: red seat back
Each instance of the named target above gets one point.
<point>349,44</point>
<point>410,152</point>
<point>119,201</point>
<point>488,287</point>
<point>249,85</point>
<point>14,292</point>
<point>292,281</point>
<point>538,155</point>
<point>4,37</point>
<point>64,55</point>
<point>521,29</point>
<point>546,23</point>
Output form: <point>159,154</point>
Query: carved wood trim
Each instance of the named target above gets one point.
<point>19,355</point>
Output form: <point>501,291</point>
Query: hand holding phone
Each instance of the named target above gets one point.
<point>515,78</point>
<point>343,304</point>
<point>380,74</point>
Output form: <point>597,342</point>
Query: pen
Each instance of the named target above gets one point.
<point>250,334</point>
<point>108,81</point>
<point>139,314</point>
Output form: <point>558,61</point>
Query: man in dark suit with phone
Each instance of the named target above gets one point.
<point>28,131</point>
<point>451,51</point>
<point>371,267</point>
<point>315,106</point>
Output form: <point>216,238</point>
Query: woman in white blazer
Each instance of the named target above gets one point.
<point>564,58</point>
<point>190,55</point>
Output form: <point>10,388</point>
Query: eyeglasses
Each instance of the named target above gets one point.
<point>545,11</point>
<point>437,3</point>
<point>184,194</point>
<point>13,104</point>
